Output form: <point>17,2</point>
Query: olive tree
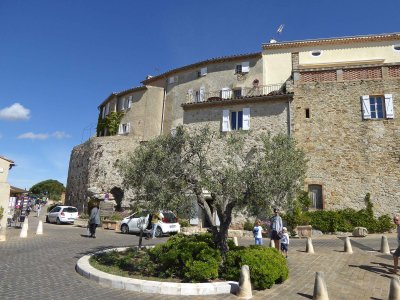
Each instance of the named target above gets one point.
<point>224,173</point>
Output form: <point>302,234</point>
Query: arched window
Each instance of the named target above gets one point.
<point>315,194</point>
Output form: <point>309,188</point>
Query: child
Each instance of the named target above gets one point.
<point>396,253</point>
<point>285,242</point>
<point>257,232</point>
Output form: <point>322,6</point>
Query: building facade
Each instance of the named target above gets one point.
<point>337,97</point>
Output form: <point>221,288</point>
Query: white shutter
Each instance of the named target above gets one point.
<point>389,106</point>
<point>123,100</point>
<point>103,112</point>
<point>120,129</point>
<point>366,108</point>
<point>225,120</point>
<point>203,71</point>
<point>245,67</point>
<point>190,95</point>
<point>171,79</point>
<point>129,103</point>
<point>226,93</point>
<point>128,127</point>
<point>246,118</point>
<point>202,94</point>
<point>107,108</point>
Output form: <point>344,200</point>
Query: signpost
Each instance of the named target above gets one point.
<point>106,208</point>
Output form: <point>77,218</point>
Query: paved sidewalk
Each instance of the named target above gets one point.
<point>43,267</point>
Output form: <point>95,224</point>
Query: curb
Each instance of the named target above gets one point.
<point>84,268</point>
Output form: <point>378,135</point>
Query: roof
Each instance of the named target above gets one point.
<point>9,160</point>
<point>334,41</point>
<point>116,94</point>
<point>14,189</point>
<point>202,63</point>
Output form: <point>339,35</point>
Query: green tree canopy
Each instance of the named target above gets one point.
<point>223,173</point>
<point>50,188</point>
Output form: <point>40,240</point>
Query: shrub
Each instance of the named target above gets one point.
<point>267,266</point>
<point>248,225</point>
<point>1,212</point>
<point>116,217</point>
<point>184,223</point>
<point>193,258</point>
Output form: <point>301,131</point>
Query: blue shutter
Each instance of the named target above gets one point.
<point>233,120</point>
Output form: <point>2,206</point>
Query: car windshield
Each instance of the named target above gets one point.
<point>70,209</point>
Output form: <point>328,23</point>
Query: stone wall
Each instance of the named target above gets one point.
<point>93,169</point>
<point>347,155</point>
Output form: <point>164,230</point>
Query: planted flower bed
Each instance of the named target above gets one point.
<point>195,259</point>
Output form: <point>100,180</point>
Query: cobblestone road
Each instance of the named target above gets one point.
<point>43,267</point>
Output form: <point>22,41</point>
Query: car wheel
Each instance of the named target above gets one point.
<point>58,221</point>
<point>47,219</point>
<point>158,231</point>
<point>124,228</point>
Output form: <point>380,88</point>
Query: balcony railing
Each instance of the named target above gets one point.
<point>236,93</point>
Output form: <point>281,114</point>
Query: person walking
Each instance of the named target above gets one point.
<point>276,228</point>
<point>285,242</point>
<point>257,232</point>
<point>154,221</point>
<point>396,253</point>
<point>94,221</point>
<point>38,208</point>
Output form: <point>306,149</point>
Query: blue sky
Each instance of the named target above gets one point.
<point>60,59</point>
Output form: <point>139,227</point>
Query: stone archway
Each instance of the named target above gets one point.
<point>118,194</point>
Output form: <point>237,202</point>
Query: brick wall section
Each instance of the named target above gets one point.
<point>318,76</point>
<point>349,156</point>
<point>362,73</point>
<point>394,71</point>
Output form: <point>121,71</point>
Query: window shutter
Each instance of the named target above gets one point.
<point>389,106</point>
<point>246,118</point>
<point>123,101</point>
<point>190,95</point>
<point>203,71</point>
<point>225,120</point>
<point>171,80</point>
<point>245,67</point>
<point>120,129</point>
<point>128,127</point>
<point>103,112</point>
<point>129,103</point>
<point>366,108</point>
<point>107,108</point>
<point>202,94</point>
<point>226,93</point>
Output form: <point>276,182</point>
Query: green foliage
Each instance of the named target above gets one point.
<point>116,217</point>
<point>110,122</point>
<point>193,258</point>
<point>50,188</point>
<point>1,212</point>
<point>296,215</point>
<point>248,225</point>
<point>267,266</point>
<point>184,223</point>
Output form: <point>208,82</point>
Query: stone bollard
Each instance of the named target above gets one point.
<point>384,245</point>
<point>245,291</point>
<point>309,246</point>
<point>24,230</point>
<point>320,290</point>
<point>347,245</point>
<point>39,229</point>
<point>394,290</point>
<point>271,244</point>
<point>235,241</point>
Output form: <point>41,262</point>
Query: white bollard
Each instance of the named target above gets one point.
<point>235,241</point>
<point>320,290</point>
<point>384,245</point>
<point>245,291</point>
<point>39,229</point>
<point>309,246</point>
<point>394,290</point>
<point>24,230</point>
<point>271,244</point>
<point>347,245</point>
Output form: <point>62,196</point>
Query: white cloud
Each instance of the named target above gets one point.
<point>15,112</point>
<point>33,136</point>
<point>60,135</point>
<point>44,136</point>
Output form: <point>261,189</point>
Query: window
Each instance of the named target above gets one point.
<point>315,194</point>
<point>120,104</point>
<point>242,68</point>
<point>200,95</point>
<point>377,107</point>
<point>226,93</point>
<point>202,72</point>
<point>237,93</point>
<point>124,128</point>
<point>103,112</point>
<point>236,119</point>
<point>307,113</point>
<point>316,53</point>
<point>172,79</point>
<point>396,48</point>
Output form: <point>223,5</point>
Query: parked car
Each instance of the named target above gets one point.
<point>168,224</point>
<point>62,214</point>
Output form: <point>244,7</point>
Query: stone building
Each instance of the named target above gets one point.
<point>337,97</point>
<point>5,165</point>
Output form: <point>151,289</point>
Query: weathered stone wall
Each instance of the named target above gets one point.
<point>347,155</point>
<point>93,169</point>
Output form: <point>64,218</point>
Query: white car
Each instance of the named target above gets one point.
<point>62,214</point>
<point>168,223</point>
